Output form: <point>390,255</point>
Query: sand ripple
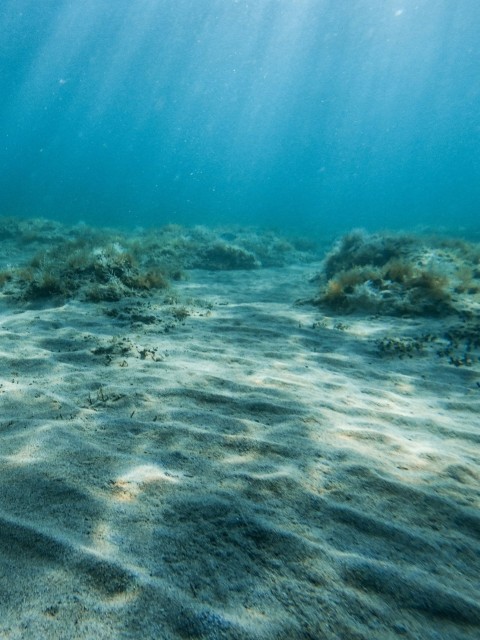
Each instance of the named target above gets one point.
<point>252,473</point>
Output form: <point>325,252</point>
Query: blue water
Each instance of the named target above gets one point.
<point>292,113</point>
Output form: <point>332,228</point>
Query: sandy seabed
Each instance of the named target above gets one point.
<point>252,470</point>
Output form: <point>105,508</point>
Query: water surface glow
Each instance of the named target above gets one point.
<point>285,112</point>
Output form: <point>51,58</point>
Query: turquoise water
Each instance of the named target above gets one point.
<point>292,113</point>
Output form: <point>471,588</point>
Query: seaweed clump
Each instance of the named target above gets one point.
<point>225,248</point>
<point>387,274</point>
<point>87,269</point>
<point>223,257</point>
<point>458,344</point>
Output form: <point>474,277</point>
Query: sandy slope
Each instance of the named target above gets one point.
<point>256,471</point>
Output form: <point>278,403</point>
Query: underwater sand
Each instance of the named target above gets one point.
<point>255,470</point>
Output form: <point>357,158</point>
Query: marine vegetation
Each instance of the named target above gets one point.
<point>172,248</point>
<point>458,343</point>
<point>225,248</point>
<point>222,257</point>
<point>398,274</point>
<point>42,260</point>
<point>86,269</point>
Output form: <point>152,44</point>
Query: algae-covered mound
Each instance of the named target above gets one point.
<point>43,259</point>
<point>90,268</point>
<point>400,274</point>
<point>225,248</point>
<point>197,248</point>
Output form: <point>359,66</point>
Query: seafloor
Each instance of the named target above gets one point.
<point>228,434</point>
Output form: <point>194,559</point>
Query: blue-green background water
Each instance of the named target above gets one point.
<point>291,113</point>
